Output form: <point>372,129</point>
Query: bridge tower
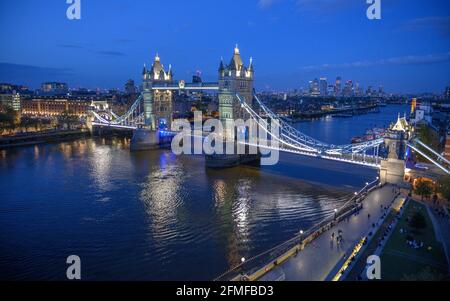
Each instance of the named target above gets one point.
<point>234,78</point>
<point>157,103</point>
<point>157,106</point>
<point>393,168</point>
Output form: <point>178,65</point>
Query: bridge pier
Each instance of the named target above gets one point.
<point>228,161</point>
<point>392,171</point>
<point>144,139</point>
<point>232,160</point>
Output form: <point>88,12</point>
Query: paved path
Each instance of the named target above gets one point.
<point>442,230</point>
<point>319,258</point>
<point>375,245</point>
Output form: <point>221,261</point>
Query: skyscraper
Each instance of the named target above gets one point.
<point>357,90</point>
<point>380,91</point>
<point>54,88</point>
<point>130,87</point>
<point>348,89</point>
<point>323,86</point>
<point>338,86</point>
<point>314,87</point>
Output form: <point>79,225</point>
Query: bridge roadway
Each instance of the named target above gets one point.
<point>320,257</point>
<point>356,158</point>
<point>181,85</point>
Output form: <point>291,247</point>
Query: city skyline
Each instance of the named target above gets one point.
<point>407,51</point>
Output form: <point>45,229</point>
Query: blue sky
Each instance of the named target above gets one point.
<point>291,41</point>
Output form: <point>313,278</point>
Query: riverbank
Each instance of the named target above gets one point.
<point>351,111</point>
<point>42,137</point>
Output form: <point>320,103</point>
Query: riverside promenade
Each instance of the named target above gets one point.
<point>320,257</point>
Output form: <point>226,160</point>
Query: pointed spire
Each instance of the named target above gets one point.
<point>221,67</point>
<point>157,59</point>
<point>144,71</point>
<point>250,67</point>
<point>236,61</point>
<point>170,71</point>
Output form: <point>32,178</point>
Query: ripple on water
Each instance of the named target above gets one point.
<point>146,216</point>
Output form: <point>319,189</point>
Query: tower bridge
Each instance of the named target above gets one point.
<point>152,113</point>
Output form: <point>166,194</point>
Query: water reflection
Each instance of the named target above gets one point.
<point>241,209</point>
<point>100,162</point>
<point>162,195</point>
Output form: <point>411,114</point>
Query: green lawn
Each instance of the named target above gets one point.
<point>399,260</point>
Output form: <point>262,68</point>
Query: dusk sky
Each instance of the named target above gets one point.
<point>291,41</point>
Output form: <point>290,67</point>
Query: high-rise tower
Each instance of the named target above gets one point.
<point>338,86</point>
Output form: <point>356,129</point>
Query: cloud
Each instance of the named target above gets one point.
<point>441,24</point>
<point>101,52</point>
<point>123,40</point>
<point>72,46</point>
<point>32,75</point>
<point>265,4</point>
<point>404,60</point>
<point>322,4</point>
<point>318,7</point>
<point>109,52</point>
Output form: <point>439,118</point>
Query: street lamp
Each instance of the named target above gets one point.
<point>243,259</point>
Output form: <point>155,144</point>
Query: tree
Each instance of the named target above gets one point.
<point>9,118</point>
<point>423,188</point>
<point>427,274</point>
<point>418,221</point>
<point>26,122</point>
<point>444,187</point>
<point>430,138</point>
<point>67,118</point>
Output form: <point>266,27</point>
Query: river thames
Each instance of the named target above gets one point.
<point>157,216</point>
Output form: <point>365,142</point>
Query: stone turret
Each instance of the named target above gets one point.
<point>157,104</point>
<point>393,168</point>
<point>235,78</point>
